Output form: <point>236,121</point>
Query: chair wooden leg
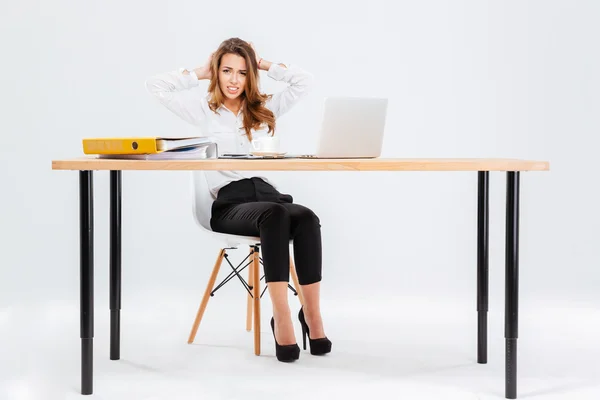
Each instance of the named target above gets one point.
<point>295,280</point>
<point>249,302</point>
<point>256,294</point>
<point>209,287</point>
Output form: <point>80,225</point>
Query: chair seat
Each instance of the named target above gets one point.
<point>236,240</point>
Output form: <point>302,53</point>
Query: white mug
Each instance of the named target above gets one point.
<point>266,144</point>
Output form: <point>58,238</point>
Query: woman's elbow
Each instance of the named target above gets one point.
<point>152,85</point>
<point>308,82</point>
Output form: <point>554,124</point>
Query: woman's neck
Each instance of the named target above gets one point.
<point>233,105</point>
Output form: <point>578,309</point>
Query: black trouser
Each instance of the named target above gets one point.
<point>252,207</point>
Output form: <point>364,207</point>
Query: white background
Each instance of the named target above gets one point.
<point>464,78</point>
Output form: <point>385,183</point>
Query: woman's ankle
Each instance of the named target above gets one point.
<point>314,321</point>
<point>311,313</point>
<point>282,314</point>
<point>284,329</point>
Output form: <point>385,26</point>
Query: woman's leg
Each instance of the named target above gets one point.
<point>270,221</point>
<point>305,230</point>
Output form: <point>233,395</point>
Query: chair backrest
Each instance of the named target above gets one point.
<point>201,199</point>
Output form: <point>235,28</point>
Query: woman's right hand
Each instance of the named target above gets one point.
<point>204,71</point>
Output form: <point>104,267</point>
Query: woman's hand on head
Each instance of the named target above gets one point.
<point>255,52</point>
<point>262,63</point>
<point>204,72</point>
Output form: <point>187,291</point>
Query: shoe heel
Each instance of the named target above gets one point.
<point>317,346</point>
<point>304,337</point>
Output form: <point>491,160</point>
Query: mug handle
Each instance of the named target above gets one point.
<point>256,145</point>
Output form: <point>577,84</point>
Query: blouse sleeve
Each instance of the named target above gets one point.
<point>299,81</point>
<point>173,90</point>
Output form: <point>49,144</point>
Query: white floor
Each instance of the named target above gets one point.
<point>400,348</point>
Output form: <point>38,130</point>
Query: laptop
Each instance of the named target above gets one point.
<point>351,127</point>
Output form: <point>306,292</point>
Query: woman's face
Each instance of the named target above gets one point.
<point>232,75</point>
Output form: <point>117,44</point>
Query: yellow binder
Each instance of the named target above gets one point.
<point>130,145</point>
<point>139,145</point>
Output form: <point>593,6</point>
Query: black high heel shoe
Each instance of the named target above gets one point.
<point>286,353</point>
<point>318,346</point>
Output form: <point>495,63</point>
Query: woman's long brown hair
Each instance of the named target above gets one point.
<point>253,108</point>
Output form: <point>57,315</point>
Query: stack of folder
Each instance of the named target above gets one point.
<point>151,148</point>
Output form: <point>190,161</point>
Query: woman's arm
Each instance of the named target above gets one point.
<point>172,89</point>
<point>299,84</point>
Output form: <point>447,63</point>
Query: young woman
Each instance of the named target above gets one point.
<point>234,112</point>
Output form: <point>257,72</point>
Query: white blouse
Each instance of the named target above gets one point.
<point>175,91</point>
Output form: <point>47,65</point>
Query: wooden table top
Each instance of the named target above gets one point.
<point>296,164</point>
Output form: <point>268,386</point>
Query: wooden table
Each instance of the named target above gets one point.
<point>512,167</point>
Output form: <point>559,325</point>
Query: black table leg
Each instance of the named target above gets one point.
<point>115,265</point>
<point>512,282</point>
<point>86,271</point>
<point>482,264</point>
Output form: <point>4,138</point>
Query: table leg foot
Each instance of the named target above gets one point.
<point>511,368</point>
<point>482,337</point>
<point>87,366</point>
<point>115,333</point>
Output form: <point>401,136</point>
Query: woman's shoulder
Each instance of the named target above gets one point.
<point>299,83</point>
<point>205,102</point>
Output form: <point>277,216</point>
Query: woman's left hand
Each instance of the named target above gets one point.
<point>255,52</point>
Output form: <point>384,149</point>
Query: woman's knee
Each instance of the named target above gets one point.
<point>275,215</point>
<point>304,216</point>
